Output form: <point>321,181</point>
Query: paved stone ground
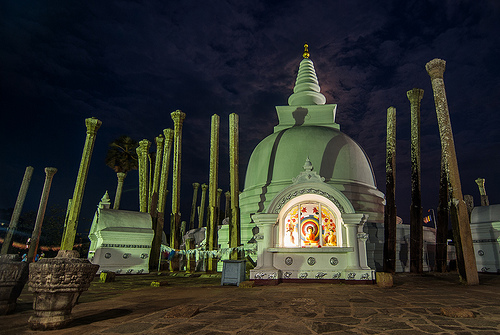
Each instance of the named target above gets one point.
<point>412,306</point>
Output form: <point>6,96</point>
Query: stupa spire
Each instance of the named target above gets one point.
<point>306,91</point>
<point>306,51</point>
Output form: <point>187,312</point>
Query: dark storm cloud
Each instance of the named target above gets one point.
<point>131,64</point>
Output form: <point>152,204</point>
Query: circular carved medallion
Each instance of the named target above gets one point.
<point>334,261</point>
<point>288,260</point>
<point>311,261</point>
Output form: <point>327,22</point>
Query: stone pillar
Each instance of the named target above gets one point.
<point>442,221</point>
<point>193,205</point>
<point>175,218</point>
<point>469,203</point>
<point>183,228</point>
<point>157,169</point>
<point>121,177</point>
<point>466,260</point>
<point>482,192</point>
<point>17,209</point>
<point>265,268</point>
<point>37,230</point>
<point>201,214</point>
<point>162,196</point>
<point>190,257</point>
<point>219,193</point>
<point>93,125</point>
<point>234,223</point>
<point>416,228</point>
<point>227,213</point>
<point>354,225</point>
<point>143,160</point>
<point>212,242</point>
<point>157,226</point>
<point>390,194</point>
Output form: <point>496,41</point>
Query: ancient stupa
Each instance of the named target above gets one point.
<point>311,191</point>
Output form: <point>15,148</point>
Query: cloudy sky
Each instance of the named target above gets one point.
<point>131,63</point>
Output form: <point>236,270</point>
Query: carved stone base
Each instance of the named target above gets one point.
<point>13,276</point>
<point>56,284</point>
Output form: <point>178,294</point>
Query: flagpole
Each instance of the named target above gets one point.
<point>433,217</point>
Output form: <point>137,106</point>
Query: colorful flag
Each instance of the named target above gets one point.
<point>427,219</point>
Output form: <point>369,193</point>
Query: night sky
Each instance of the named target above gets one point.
<point>132,63</point>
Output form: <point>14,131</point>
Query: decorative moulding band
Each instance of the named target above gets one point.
<point>297,193</point>
<point>142,246</point>
<point>312,250</point>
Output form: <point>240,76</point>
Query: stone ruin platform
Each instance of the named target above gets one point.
<point>200,305</point>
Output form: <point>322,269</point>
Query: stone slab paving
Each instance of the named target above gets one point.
<point>412,306</point>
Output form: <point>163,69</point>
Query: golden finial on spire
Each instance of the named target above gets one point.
<point>306,51</point>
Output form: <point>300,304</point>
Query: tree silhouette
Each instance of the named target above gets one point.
<point>122,158</point>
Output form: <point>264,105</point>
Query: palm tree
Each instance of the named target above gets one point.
<point>122,158</point>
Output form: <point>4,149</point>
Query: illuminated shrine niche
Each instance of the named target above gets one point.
<point>310,224</point>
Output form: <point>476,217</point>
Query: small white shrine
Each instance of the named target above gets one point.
<point>485,229</point>
<point>120,240</point>
<point>310,231</point>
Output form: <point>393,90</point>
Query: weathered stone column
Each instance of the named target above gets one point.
<point>466,260</point>
<point>193,205</point>
<point>442,221</point>
<point>121,177</point>
<point>416,228</point>
<point>175,218</point>
<point>157,169</point>
<point>469,203</point>
<point>217,205</point>
<point>482,192</point>
<point>162,196</point>
<point>93,125</point>
<point>190,256</point>
<point>227,212</point>
<point>201,214</point>
<point>390,194</point>
<point>153,205</point>
<point>21,196</point>
<point>143,160</point>
<point>212,192</point>
<point>234,223</point>
<point>35,236</point>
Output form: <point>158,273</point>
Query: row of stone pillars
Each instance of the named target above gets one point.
<point>152,197</point>
<point>153,180</point>
<point>450,188</point>
<point>71,221</point>
<point>201,208</point>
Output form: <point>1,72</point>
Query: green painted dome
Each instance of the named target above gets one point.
<point>335,156</point>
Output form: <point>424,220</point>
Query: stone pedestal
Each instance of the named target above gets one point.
<point>233,272</point>
<point>13,276</point>
<point>56,284</point>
